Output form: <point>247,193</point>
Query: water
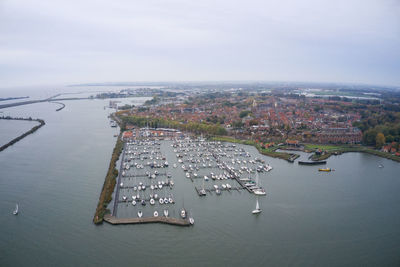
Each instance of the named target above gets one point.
<point>10,129</point>
<point>349,217</point>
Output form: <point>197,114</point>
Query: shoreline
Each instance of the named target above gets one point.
<point>291,157</point>
<point>109,184</point>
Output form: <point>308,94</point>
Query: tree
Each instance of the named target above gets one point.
<point>244,113</point>
<point>380,140</point>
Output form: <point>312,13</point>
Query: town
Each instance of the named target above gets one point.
<point>274,117</point>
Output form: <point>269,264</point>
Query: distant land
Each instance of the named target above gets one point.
<point>248,84</point>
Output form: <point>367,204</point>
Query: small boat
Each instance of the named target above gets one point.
<point>191,220</point>
<point>133,202</point>
<point>143,202</point>
<point>15,212</point>
<point>124,198</point>
<point>218,192</point>
<point>205,177</point>
<point>325,170</point>
<point>155,213</point>
<point>161,200</point>
<point>165,200</point>
<point>228,186</point>
<point>140,214</point>
<point>380,165</point>
<point>166,213</point>
<point>121,184</point>
<point>257,210</point>
<point>152,201</point>
<point>259,192</point>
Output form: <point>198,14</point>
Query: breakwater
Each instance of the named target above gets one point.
<point>60,108</point>
<point>167,220</point>
<point>31,131</point>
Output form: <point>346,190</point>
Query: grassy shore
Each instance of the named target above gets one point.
<point>339,149</point>
<point>265,151</point>
<point>109,184</point>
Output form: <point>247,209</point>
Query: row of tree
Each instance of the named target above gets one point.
<point>195,127</point>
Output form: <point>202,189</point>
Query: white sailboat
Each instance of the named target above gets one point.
<point>259,190</point>
<point>15,212</point>
<point>257,210</point>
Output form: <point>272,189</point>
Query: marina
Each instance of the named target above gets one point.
<point>150,167</point>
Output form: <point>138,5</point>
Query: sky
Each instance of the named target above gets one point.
<point>69,42</point>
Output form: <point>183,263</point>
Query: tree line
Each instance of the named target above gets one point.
<point>194,127</point>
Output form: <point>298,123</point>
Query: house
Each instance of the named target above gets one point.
<point>127,135</point>
<point>292,142</point>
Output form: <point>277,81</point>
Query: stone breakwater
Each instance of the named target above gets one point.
<point>31,131</point>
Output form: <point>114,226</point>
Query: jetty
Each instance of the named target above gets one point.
<point>209,190</point>
<point>167,220</point>
<point>312,162</point>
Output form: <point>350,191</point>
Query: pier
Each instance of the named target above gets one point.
<point>312,162</point>
<point>210,190</point>
<point>143,175</point>
<point>167,220</point>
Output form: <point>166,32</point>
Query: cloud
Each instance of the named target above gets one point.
<point>77,41</point>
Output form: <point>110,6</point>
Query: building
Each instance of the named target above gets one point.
<point>340,135</point>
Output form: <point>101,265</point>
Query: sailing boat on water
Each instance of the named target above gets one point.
<point>257,210</point>
<point>15,212</point>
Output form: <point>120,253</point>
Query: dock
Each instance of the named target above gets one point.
<point>167,220</point>
<point>312,162</point>
<point>142,175</point>
<point>209,190</point>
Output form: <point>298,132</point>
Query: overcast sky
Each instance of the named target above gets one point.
<point>68,41</point>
